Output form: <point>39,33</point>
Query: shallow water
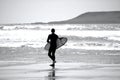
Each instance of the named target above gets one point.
<point>28,55</point>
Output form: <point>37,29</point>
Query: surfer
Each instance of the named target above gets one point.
<point>52,39</point>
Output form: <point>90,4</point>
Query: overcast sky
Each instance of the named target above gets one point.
<point>27,11</point>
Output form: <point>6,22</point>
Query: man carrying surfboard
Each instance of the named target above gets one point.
<point>52,39</point>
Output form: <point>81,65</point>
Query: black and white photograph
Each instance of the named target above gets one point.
<point>59,39</point>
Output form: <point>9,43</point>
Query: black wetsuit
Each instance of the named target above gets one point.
<point>52,38</point>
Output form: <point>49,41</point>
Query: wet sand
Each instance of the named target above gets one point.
<point>61,71</point>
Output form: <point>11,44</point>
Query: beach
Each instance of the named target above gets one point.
<point>62,71</point>
<point>87,55</point>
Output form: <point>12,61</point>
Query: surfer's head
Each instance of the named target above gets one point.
<point>52,30</point>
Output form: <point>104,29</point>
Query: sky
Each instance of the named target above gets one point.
<point>29,11</point>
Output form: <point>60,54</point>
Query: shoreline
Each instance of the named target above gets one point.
<point>62,71</point>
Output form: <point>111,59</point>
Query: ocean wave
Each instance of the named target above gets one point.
<point>62,27</point>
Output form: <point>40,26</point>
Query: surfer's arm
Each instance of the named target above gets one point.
<point>48,39</point>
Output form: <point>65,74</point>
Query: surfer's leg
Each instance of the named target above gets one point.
<point>53,65</point>
<point>49,54</point>
<point>53,55</point>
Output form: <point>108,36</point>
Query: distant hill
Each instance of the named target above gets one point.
<point>112,17</point>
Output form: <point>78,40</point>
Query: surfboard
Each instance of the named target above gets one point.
<point>60,42</point>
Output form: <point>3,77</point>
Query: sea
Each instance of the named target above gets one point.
<point>87,43</point>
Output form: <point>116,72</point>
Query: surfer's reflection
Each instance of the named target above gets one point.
<point>51,75</point>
